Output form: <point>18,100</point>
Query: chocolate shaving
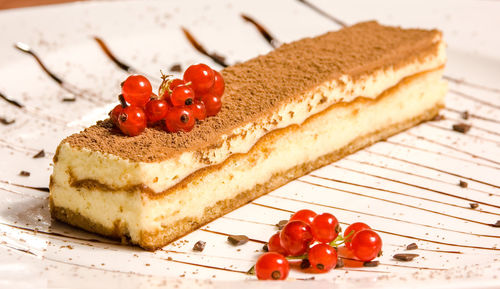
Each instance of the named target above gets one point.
<point>40,154</point>
<point>281,224</point>
<point>265,248</point>
<point>24,173</point>
<point>237,240</point>
<point>465,114</point>
<point>7,122</point>
<point>199,246</point>
<point>463,184</point>
<point>371,264</point>
<point>307,279</point>
<point>176,68</point>
<point>251,271</point>
<point>340,263</point>
<point>69,99</point>
<point>405,257</point>
<point>473,205</point>
<point>11,101</point>
<point>412,246</point>
<point>496,225</point>
<point>461,127</point>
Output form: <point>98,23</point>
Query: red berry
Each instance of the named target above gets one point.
<point>199,110</point>
<point>306,216</point>
<point>156,110</point>
<point>114,113</point>
<point>180,118</point>
<point>219,85</point>
<point>274,245</point>
<point>356,227</point>
<point>366,245</point>
<point>296,237</point>
<point>201,77</point>
<point>176,82</point>
<point>137,90</point>
<point>323,257</point>
<point>272,266</point>
<point>212,103</point>
<point>132,120</point>
<point>325,228</point>
<point>182,95</point>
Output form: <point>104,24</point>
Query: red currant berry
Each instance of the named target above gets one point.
<point>182,95</point>
<point>213,104</point>
<point>272,266</point>
<point>366,245</point>
<point>137,90</point>
<point>201,77</point>
<point>306,216</point>
<point>176,82</point>
<point>156,110</point>
<point>356,227</point>
<point>114,113</point>
<point>296,237</point>
<point>322,257</point>
<point>199,110</point>
<point>219,85</point>
<point>132,120</point>
<point>325,228</point>
<point>180,118</point>
<point>274,245</point>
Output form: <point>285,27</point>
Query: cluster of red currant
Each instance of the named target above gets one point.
<point>179,102</point>
<point>315,238</point>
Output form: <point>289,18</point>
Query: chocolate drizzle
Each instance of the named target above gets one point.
<point>11,101</point>
<point>323,13</point>
<point>110,55</point>
<point>460,81</point>
<point>217,58</point>
<point>262,30</point>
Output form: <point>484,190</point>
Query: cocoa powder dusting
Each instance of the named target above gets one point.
<point>259,86</point>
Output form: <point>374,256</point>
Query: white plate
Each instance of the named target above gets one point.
<point>406,188</point>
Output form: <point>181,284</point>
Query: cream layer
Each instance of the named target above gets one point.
<point>116,172</point>
<point>322,133</point>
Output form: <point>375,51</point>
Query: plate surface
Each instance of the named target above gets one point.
<point>406,187</point>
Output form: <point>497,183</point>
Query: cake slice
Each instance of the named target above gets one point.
<point>284,114</point>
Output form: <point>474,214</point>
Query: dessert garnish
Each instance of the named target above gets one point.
<point>237,240</point>
<point>313,240</point>
<point>461,127</point>
<point>39,154</point>
<point>473,205</point>
<point>405,257</point>
<point>178,105</point>
<point>4,121</point>
<point>199,246</point>
<point>412,246</point>
<point>24,173</point>
<point>463,184</point>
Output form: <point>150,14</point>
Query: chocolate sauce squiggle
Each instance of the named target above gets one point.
<point>217,58</point>
<point>452,148</point>
<point>399,235</point>
<point>263,31</point>
<point>464,95</point>
<point>464,82</point>
<point>440,154</point>
<point>41,189</point>
<point>64,85</point>
<point>397,203</point>
<point>323,13</point>
<point>113,58</point>
<point>408,195</point>
<point>11,101</point>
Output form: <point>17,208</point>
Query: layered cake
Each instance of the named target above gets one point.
<point>284,114</point>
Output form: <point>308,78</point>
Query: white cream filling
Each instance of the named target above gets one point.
<point>116,172</point>
<point>320,135</point>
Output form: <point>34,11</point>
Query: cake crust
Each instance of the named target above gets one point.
<point>157,239</point>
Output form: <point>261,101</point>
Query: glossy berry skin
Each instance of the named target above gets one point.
<point>180,118</point>
<point>274,245</point>
<point>356,227</point>
<point>182,95</point>
<point>322,257</point>
<point>272,266</point>
<point>306,216</point>
<point>156,110</point>
<point>114,113</point>
<point>325,228</point>
<point>219,84</point>
<point>137,90</point>
<point>213,104</point>
<point>366,245</point>
<point>199,110</point>
<point>201,77</point>
<point>296,237</point>
<point>176,82</point>
<point>132,120</point>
